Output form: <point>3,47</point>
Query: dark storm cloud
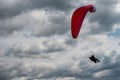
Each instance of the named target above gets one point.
<point>13,7</point>
<point>105,17</point>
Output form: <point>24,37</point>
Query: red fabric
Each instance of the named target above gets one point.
<point>77,19</point>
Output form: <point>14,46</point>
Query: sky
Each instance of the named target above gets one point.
<point>36,41</point>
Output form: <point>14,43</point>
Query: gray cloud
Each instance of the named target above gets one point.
<point>20,68</point>
<point>37,23</point>
<point>36,43</point>
<point>13,8</point>
<point>19,16</point>
<point>24,68</point>
<point>105,17</point>
<point>8,27</point>
<point>35,47</point>
<point>106,71</point>
<point>57,24</point>
<point>66,64</point>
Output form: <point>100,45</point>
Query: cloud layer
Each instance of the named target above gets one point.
<point>36,43</point>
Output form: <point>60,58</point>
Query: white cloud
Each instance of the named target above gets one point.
<point>36,43</point>
<point>70,64</point>
<point>103,73</point>
<point>118,8</point>
<point>66,78</point>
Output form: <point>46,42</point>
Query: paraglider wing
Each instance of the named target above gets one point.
<point>78,17</point>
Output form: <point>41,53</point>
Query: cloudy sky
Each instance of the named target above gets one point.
<point>36,42</point>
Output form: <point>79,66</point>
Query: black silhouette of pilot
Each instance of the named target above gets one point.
<point>92,58</point>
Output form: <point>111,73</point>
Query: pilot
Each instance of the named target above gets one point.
<point>92,58</point>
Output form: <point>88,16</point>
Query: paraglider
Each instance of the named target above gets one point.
<point>78,17</point>
<point>77,20</point>
<point>92,58</point>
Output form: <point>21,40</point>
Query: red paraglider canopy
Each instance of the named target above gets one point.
<point>78,17</point>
